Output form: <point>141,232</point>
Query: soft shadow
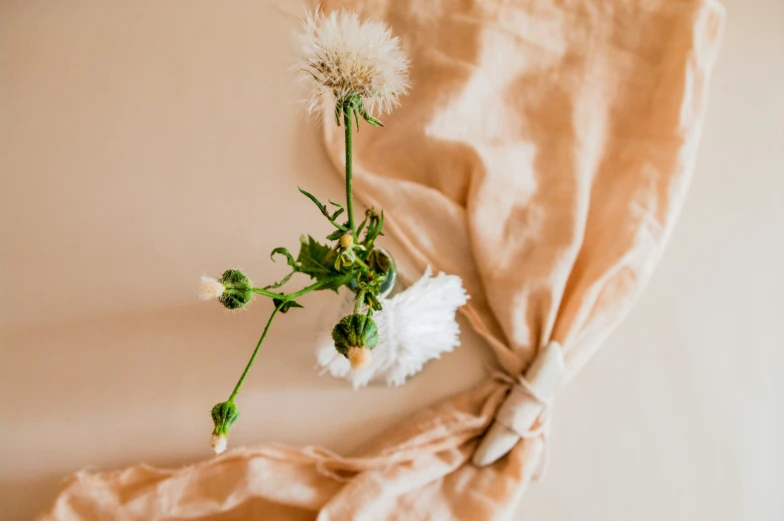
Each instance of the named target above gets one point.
<point>118,390</point>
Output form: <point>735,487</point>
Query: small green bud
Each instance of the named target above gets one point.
<point>224,415</point>
<point>355,331</point>
<point>239,289</point>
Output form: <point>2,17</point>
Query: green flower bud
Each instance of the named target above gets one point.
<point>224,415</point>
<point>355,331</point>
<point>239,289</point>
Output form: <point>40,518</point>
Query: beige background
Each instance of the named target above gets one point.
<point>145,143</point>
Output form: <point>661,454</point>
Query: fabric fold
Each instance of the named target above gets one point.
<point>542,156</point>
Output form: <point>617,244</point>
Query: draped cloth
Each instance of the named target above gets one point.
<point>542,155</point>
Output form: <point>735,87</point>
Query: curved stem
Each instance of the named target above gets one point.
<point>360,298</point>
<point>347,113</point>
<point>290,296</point>
<point>253,356</point>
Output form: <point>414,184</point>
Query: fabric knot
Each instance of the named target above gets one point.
<point>526,409</point>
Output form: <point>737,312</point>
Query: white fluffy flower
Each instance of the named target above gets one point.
<point>219,442</point>
<point>210,288</point>
<point>415,326</point>
<point>341,56</point>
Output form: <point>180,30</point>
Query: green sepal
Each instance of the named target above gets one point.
<point>338,111</point>
<point>224,415</point>
<point>367,117</point>
<point>355,331</point>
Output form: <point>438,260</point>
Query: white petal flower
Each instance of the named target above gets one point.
<point>414,327</point>
<point>210,288</point>
<point>219,442</point>
<point>341,56</point>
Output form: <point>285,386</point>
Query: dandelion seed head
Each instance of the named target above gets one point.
<point>342,56</point>
<point>210,288</point>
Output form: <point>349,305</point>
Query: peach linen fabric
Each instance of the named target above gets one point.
<point>542,155</point>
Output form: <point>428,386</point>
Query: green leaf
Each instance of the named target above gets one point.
<point>319,262</point>
<point>289,257</point>
<point>286,305</point>
<point>362,224</point>
<point>373,301</point>
<point>337,234</point>
<point>340,210</point>
<point>276,285</point>
<point>312,197</point>
<point>375,224</point>
<point>314,257</point>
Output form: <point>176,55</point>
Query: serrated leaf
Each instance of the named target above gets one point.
<point>314,257</point>
<point>318,261</point>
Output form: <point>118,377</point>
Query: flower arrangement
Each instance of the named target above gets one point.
<point>355,70</point>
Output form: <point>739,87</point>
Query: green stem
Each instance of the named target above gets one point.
<point>253,356</point>
<point>290,296</point>
<point>347,113</point>
<point>358,301</point>
<point>361,263</point>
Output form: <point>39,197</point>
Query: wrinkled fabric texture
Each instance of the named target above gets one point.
<point>542,156</point>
